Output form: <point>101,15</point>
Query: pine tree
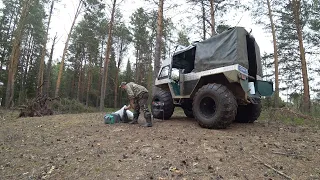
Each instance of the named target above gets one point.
<point>122,38</point>
<point>157,56</point>
<point>183,38</point>
<point>296,12</point>
<point>43,53</point>
<point>261,7</point>
<point>107,58</point>
<point>15,53</point>
<point>78,11</point>
<point>142,48</point>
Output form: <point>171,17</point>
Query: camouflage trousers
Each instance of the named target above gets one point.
<point>141,104</point>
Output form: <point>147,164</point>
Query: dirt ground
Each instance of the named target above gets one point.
<point>81,146</point>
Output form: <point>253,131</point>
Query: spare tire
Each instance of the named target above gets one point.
<point>214,106</point>
<point>249,113</point>
<point>162,106</point>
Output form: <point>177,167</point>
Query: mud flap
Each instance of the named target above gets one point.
<point>264,88</point>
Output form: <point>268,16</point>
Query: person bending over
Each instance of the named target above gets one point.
<point>138,96</point>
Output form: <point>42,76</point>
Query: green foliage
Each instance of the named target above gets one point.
<point>222,27</point>
<point>288,116</point>
<point>183,38</point>
<point>268,102</point>
<point>65,105</point>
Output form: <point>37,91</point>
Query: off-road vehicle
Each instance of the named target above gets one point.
<point>216,81</point>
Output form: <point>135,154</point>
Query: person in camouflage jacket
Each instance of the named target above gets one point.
<point>138,96</point>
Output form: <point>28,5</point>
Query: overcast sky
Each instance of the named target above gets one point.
<point>64,12</point>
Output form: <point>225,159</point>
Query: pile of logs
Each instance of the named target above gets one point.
<point>37,107</point>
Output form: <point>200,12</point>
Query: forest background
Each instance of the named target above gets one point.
<point>60,48</point>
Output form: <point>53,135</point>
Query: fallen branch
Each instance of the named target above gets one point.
<point>288,154</point>
<point>270,167</point>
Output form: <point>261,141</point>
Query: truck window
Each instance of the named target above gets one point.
<point>164,72</point>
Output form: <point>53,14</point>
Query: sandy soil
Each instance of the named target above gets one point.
<point>81,146</point>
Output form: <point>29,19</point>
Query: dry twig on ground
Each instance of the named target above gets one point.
<point>270,167</point>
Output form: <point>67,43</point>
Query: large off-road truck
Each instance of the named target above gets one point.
<point>216,81</point>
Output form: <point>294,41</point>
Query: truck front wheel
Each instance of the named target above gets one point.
<point>214,106</point>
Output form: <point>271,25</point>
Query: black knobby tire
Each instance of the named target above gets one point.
<point>249,113</point>
<point>214,106</point>
<point>168,107</point>
<point>188,113</point>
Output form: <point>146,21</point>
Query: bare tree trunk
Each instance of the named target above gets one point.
<point>275,55</point>
<point>107,58</point>
<point>100,73</point>
<point>137,66</point>
<point>83,80</point>
<point>88,80</point>
<point>203,20</point>
<point>213,23</point>
<point>79,80</point>
<point>26,57</point>
<point>296,9</point>
<point>117,77</point>
<point>66,48</point>
<point>48,75</point>
<point>157,55</point>
<point>43,54</point>
<point>15,53</point>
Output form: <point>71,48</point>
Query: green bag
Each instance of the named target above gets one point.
<point>108,119</point>
<point>112,118</point>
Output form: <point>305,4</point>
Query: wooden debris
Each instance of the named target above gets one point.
<point>270,167</point>
<point>291,154</point>
<point>37,107</point>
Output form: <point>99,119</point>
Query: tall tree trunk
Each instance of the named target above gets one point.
<point>203,20</point>
<point>137,66</point>
<point>213,23</point>
<point>79,81</point>
<point>275,55</point>
<point>26,56</point>
<point>66,48</point>
<point>83,76</point>
<point>107,58</point>
<point>296,9</point>
<point>4,51</point>
<point>157,55</point>
<point>100,73</point>
<point>117,77</point>
<point>88,80</point>
<point>48,75</point>
<point>5,62</point>
<point>15,53</point>
<point>43,54</point>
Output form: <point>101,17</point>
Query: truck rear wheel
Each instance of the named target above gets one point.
<point>162,105</point>
<point>214,106</point>
<point>249,113</point>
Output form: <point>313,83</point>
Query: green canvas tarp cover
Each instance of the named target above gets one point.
<point>227,48</point>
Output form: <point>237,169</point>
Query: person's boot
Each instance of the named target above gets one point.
<point>148,120</point>
<point>135,119</point>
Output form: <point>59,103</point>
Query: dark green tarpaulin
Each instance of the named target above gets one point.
<point>228,48</point>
